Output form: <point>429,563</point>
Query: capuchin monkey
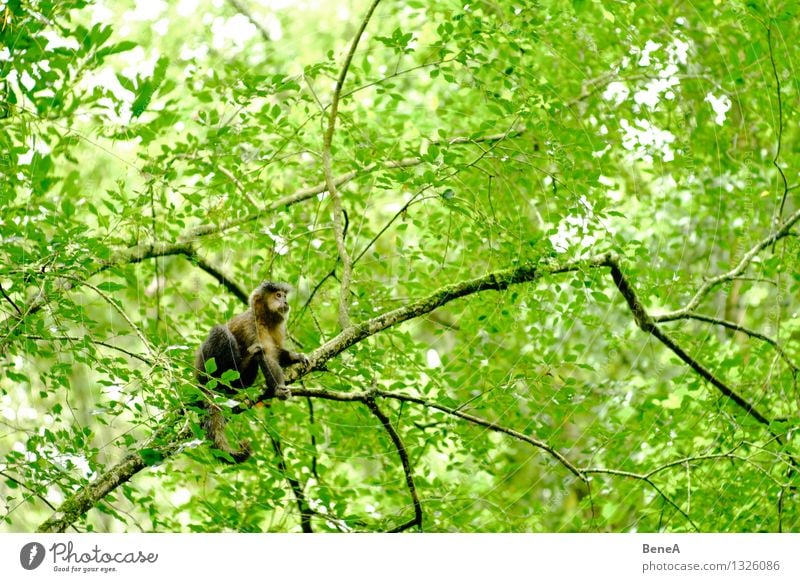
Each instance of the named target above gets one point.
<point>250,341</point>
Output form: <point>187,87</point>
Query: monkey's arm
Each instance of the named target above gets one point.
<point>273,374</point>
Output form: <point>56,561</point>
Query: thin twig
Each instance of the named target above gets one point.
<point>747,331</point>
<point>96,342</point>
<point>11,301</point>
<point>119,310</point>
<point>244,11</point>
<point>744,262</point>
<point>780,128</point>
<point>302,505</point>
<point>236,182</point>
<point>39,496</point>
<point>493,426</point>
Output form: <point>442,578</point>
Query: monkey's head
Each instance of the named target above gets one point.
<point>272,296</point>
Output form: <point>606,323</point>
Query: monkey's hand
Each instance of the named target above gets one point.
<point>283,393</point>
<point>287,358</point>
<point>255,349</point>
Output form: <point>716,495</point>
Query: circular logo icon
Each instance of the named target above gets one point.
<point>31,555</point>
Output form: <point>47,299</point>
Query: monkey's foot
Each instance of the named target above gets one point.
<point>283,393</point>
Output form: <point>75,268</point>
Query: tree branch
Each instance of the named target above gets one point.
<point>11,301</point>
<point>128,353</point>
<point>244,11</point>
<point>747,331</point>
<point>401,450</point>
<point>223,279</point>
<point>185,246</point>
<point>780,126</point>
<point>302,505</point>
<point>344,256</point>
<point>647,324</point>
<point>745,261</point>
<point>88,496</point>
<point>500,280</point>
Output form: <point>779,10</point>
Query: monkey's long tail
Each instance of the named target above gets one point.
<point>214,425</point>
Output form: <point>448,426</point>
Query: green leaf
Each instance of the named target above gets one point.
<point>151,456</point>
<point>120,47</point>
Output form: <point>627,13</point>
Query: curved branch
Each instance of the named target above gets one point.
<point>221,277</point>
<point>401,451</point>
<point>344,256</point>
<point>648,324</point>
<point>747,331</point>
<point>780,125</point>
<point>302,505</point>
<point>745,261</point>
<point>493,426</point>
<point>500,280</point>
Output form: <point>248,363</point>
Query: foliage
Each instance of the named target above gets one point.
<point>572,230</point>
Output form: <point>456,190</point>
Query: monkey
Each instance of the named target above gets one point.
<point>250,341</point>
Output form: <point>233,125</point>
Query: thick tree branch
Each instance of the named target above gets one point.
<point>497,281</point>
<point>500,280</point>
<point>87,497</point>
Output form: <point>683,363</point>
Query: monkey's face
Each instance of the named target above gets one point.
<point>277,302</point>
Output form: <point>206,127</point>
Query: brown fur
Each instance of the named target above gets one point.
<point>250,341</point>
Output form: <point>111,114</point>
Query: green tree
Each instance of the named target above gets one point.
<point>545,257</point>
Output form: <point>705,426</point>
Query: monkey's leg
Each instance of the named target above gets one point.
<point>222,346</point>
